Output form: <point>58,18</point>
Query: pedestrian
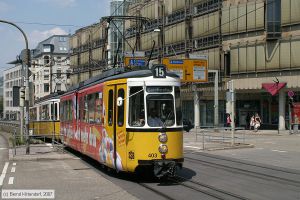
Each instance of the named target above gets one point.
<point>252,122</point>
<point>228,120</point>
<point>247,121</point>
<point>257,122</point>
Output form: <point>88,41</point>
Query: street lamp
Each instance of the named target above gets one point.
<point>27,65</point>
<point>160,43</point>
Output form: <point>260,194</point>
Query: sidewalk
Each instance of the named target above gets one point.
<point>65,174</point>
<point>220,140</point>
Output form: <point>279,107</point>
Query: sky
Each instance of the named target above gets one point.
<point>65,17</point>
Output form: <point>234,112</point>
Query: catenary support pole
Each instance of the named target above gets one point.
<point>216,97</point>
<point>27,65</point>
<point>281,109</point>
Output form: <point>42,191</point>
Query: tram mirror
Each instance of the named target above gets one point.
<point>119,101</point>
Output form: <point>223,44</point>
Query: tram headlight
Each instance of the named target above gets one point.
<point>163,137</point>
<point>163,148</point>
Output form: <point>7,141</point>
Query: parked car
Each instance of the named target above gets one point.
<point>187,125</point>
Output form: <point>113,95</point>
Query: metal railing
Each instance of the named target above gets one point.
<point>219,135</point>
<point>38,141</point>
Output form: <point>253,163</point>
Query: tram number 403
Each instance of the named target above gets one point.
<point>159,71</point>
<point>152,155</point>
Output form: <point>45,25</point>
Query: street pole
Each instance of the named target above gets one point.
<point>216,97</point>
<point>27,65</point>
<point>50,65</point>
<point>232,100</point>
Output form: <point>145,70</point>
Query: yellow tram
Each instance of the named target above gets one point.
<point>44,117</point>
<point>128,121</point>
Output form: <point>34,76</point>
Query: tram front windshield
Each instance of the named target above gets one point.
<point>159,107</point>
<point>160,110</point>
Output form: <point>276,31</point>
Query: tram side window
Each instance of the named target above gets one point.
<point>99,105</point>
<point>85,110</point>
<point>178,106</point>
<point>110,107</point>
<point>70,110</point>
<point>45,112</point>
<point>53,113</point>
<point>91,108</point>
<point>136,107</point>
<point>62,117</point>
<point>33,114</point>
<point>66,111</point>
<point>121,94</point>
<point>56,116</point>
<point>81,106</point>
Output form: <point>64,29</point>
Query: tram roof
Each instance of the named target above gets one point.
<point>114,74</point>
<point>51,96</point>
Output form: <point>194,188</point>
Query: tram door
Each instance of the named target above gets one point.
<point>116,123</point>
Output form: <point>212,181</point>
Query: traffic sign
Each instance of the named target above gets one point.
<point>291,93</point>
<point>135,61</point>
<point>189,70</point>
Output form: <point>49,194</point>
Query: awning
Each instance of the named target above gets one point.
<point>273,88</point>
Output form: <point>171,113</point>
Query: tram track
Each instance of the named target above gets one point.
<point>279,169</point>
<point>241,167</point>
<point>207,189</point>
<point>157,192</point>
<point>198,187</point>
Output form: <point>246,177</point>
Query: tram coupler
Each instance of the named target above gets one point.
<point>164,168</point>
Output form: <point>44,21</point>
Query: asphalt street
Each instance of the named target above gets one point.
<point>77,177</point>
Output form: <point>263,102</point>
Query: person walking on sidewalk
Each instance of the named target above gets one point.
<point>257,122</point>
<point>252,122</point>
<point>228,120</point>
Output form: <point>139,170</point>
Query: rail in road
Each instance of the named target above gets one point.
<point>271,173</point>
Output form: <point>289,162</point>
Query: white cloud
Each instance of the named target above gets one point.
<point>37,36</point>
<point>4,7</point>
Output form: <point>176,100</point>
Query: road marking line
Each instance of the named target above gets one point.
<point>13,170</point>
<point>11,181</point>
<point>3,148</point>
<point>14,164</point>
<point>193,147</point>
<point>259,148</point>
<point>280,151</point>
<point>3,173</point>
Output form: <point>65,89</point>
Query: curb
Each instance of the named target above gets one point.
<point>234,147</point>
<point>242,146</point>
<point>40,158</point>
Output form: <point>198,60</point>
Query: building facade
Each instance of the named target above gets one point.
<point>252,42</point>
<point>12,77</point>
<point>88,52</point>
<point>1,96</point>
<point>50,66</point>
<point>249,41</point>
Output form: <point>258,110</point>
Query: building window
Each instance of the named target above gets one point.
<point>58,73</point>
<point>46,77</point>
<point>46,60</point>
<point>46,87</point>
<point>62,39</point>
<point>273,21</point>
<point>58,87</point>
